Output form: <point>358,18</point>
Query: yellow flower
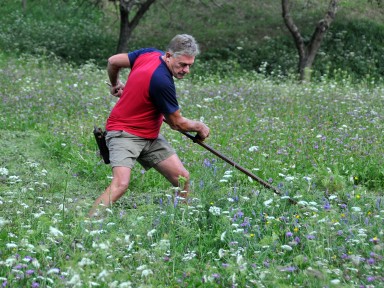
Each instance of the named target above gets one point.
<point>252,235</point>
<point>358,196</point>
<point>295,229</point>
<point>342,215</point>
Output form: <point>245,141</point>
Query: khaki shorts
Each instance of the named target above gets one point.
<point>125,149</point>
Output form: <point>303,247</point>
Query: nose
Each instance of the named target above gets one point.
<point>186,69</point>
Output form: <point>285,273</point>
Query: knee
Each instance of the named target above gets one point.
<point>121,185</point>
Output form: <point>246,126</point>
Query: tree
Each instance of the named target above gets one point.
<point>307,52</point>
<point>127,24</point>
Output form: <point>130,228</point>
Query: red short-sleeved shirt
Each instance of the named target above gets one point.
<point>149,94</point>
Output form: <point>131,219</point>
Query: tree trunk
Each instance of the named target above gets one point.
<point>125,31</point>
<point>24,5</point>
<point>127,26</point>
<point>307,53</point>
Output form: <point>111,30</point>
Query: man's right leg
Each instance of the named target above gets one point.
<point>117,188</point>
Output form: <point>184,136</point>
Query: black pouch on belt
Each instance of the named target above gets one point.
<point>101,143</point>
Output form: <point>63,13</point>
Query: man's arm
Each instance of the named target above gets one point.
<point>115,63</point>
<point>180,123</point>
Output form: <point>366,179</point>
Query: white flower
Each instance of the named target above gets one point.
<point>356,209</point>
<point>215,210</point>
<point>266,203</point>
<point>335,281</point>
<point>150,233</point>
<point>3,221</point>
<point>221,253</point>
<point>286,247</point>
<point>103,274</point>
<point>3,171</point>
<point>146,273</point>
<point>85,261</point>
<point>35,263</point>
<point>253,148</point>
<point>75,281</point>
<point>55,232</point>
<point>222,237</point>
<point>142,267</point>
<point>53,271</point>
<point>125,285</point>
<point>289,178</point>
<point>188,256</point>
<point>11,245</point>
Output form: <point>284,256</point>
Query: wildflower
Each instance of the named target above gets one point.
<point>207,163</point>
<point>85,262</point>
<point>296,229</point>
<point>266,203</point>
<point>374,240</point>
<point>215,210</point>
<point>371,261</point>
<point>3,171</point>
<point>55,232</point>
<point>311,237</point>
<point>253,149</point>
<point>286,247</point>
<point>54,271</point>
<point>29,272</point>
<point>222,237</point>
<point>288,269</point>
<point>150,233</point>
<point>189,256</point>
<point>11,245</point>
<point>335,281</point>
<point>35,285</point>
<point>370,278</point>
<point>289,234</point>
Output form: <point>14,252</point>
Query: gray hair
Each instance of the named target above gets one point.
<point>183,44</point>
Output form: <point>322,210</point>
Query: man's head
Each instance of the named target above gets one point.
<point>180,54</point>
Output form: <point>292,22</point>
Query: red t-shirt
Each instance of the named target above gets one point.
<point>149,94</point>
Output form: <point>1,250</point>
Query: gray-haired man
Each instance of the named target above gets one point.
<point>148,97</point>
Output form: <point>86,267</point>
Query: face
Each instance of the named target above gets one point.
<point>179,65</point>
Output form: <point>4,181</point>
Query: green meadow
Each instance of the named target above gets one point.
<point>319,143</point>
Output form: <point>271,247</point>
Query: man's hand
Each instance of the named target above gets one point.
<point>203,133</point>
<point>117,90</point>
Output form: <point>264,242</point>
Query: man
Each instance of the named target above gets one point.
<point>148,97</point>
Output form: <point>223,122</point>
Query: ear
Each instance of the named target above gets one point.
<point>168,55</point>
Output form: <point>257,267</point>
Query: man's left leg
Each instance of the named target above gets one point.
<point>172,169</point>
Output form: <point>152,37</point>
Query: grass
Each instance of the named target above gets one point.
<point>320,143</point>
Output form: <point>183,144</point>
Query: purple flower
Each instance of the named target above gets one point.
<point>207,163</point>
<point>29,272</point>
<point>340,232</point>
<point>297,240</point>
<point>371,261</point>
<point>4,284</point>
<point>288,269</point>
<point>344,256</point>
<point>311,237</point>
<point>289,234</point>
<point>35,285</point>
<point>216,275</point>
<point>370,278</point>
